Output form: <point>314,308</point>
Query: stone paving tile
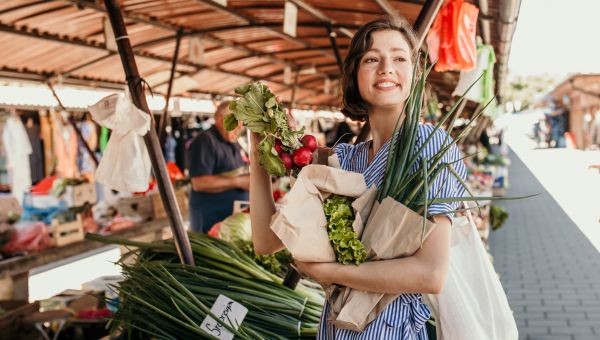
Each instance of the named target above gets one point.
<point>548,268</point>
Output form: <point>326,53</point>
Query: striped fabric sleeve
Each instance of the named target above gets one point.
<point>445,185</point>
<point>342,150</point>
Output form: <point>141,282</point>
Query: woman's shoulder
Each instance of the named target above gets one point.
<point>346,152</point>
<point>345,148</point>
<point>439,139</point>
<point>425,130</point>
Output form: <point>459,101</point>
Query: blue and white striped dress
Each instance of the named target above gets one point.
<point>405,317</point>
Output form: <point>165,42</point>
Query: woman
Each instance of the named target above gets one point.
<point>376,83</point>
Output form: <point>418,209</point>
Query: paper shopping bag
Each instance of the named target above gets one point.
<point>301,223</point>
<point>392,231</point>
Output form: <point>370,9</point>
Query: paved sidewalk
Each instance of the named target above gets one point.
<point>549,269</point>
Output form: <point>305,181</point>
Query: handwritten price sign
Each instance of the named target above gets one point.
<point>229,312</point>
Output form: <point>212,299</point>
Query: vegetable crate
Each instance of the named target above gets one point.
<point>65,233</point>
<point>78,195</point>
<point>9,206</point>
<point>158,208</point>
<point>136,206</point>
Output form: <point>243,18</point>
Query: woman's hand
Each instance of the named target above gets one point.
<point>322,272</point>
<point>255,138</point>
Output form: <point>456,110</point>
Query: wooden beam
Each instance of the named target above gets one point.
<point>86,64</point>
<point>425,19</point>
<point>319,15</point>
<point>186,32</point>
<point>165,117</point>
<point>74,125</point>
<point>252,21</point>
<point>387,7</point>
<point>336,50</point>
<point>159,167</point>
<point>102,47</point>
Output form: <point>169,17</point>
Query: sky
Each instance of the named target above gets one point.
<point>556,37</point>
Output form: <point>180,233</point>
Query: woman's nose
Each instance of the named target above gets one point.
<point>385,67</point>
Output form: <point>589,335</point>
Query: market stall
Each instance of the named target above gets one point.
<point>207,48</point>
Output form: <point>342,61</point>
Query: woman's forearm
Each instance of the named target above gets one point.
<point>262,206</point>
<point>405,275</point>
<point>424,272</point>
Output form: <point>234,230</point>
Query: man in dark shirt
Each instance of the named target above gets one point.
<point>215,158</point>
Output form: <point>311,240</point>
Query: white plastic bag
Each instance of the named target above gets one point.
<point>472,305</point>
<point>125,165</point>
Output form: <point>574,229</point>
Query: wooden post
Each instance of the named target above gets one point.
<point>334,45</point>
<point>426,17</point>
<point>72,122</point>
<point>294,89</point>
<point>165,117</point>
<point>136,88</point>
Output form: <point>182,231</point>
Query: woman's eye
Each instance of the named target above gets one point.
<point>401,59</point>
<point>370,60</point>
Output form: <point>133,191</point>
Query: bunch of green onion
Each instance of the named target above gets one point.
<point>410,187</point>
<point>163,299</point>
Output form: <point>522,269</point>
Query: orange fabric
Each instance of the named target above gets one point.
<point>451,40</point>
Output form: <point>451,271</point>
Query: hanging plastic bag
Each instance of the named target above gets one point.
<point>472,304</point>
<point>465,34</point>
<point>125,165</point>
<point>451,40</point>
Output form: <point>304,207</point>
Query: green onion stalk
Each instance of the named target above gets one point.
<point>164,299</point>
<point>407,185</point>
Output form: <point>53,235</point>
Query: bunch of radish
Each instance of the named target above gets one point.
<point>300,157</point>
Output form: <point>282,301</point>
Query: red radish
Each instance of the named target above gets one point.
<point>302,157</point>
<point>310,142</point>
<point>278,146</point>
<point>286,159</point>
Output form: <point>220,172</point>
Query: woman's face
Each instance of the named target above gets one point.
<point>385,71</point>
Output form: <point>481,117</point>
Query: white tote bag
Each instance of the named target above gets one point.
<point>472,305</point>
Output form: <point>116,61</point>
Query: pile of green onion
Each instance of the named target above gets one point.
<point>164,299</point>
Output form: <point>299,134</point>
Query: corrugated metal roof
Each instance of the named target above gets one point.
<point>242,41</point>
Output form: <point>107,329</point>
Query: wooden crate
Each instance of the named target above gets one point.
<point>159,210</point>
<point>9,206</point>
<point>137,205</point>
<point>78,195</point>
<point>65,233</point>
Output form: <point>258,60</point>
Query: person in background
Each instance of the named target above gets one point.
<point>343,134</point>
<point>217,170</point>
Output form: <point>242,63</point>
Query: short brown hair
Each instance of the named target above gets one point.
<point>353,106</point>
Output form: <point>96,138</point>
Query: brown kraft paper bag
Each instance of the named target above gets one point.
<point>392,231</point>
<point>301,223</point>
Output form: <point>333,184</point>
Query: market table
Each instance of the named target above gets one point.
<point>15,271</point>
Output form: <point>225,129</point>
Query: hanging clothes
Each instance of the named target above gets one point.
<point>170,146</point>
<point>17,148</point>
<point>483,91</point>
<point>36,159</point>
<point>104,134</point>
<point>47,146</point>
<point>88,132</point>
<point>65,149</point>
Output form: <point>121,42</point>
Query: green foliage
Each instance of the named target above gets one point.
<point>498,215</point>
<point>260,112</point>
<point>269,159</point>
<point>348,249</point>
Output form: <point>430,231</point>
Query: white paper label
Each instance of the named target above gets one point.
<point>221,2</point>
<point>196,50</point>
<point>290,18</point>
<point>287,75</point>
<point>109,36</point>
<point>229,312</point>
